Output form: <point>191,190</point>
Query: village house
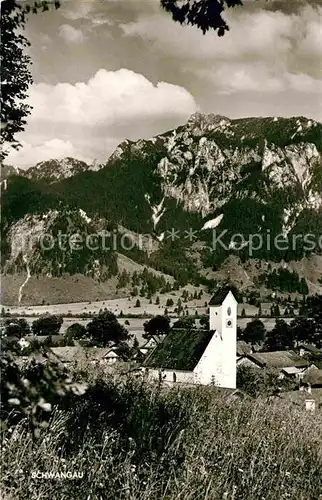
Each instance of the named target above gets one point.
<point>289,363</point>
<point>312,379</point>
<point>199,356</point>
<point>304,349</point>
<point>94,355</point>
<point>148,345</point>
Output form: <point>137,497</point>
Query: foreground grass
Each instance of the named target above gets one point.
<point>134,441</point>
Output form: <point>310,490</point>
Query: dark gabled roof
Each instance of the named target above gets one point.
<point>180,350</point>
<point>310,348</point>
<point>220,295</point>
<point>277,359</point>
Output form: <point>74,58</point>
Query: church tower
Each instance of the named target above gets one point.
<point>223,321</point>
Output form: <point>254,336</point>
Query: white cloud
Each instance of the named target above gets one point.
<point>71,34</point>
<point>231,78</point>
<point>75,10</point>
<point>284,43</point>
<point>91,118</point>
<point>109,98</point>
<point>89,10</point>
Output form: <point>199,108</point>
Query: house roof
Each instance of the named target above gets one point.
<point>149,344</point>
<point>24,361</point>
<point>110,354</point>
<point>292,370</point>
<point>277,359</point>
<point>77,353</point>
<point>243,348</point>
<point>180,350</point>
<point>220,295</point>
<point>69,353</point>
<point>310,348</point>
<point>313,376</point>
<point>299,397</point>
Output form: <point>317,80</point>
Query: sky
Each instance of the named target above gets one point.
<point>109,70</point>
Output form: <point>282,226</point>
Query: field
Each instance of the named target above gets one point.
<point>127,306</point>
<point>71,311</point>
<point>124,304</point>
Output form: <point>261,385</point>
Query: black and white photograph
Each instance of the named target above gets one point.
<point>161,250</point>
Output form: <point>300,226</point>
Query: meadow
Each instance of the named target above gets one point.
<point>131,440</point>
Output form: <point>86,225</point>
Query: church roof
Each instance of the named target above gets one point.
<point>180,350</point>
<point>220,295</point>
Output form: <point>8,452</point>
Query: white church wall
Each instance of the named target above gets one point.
<point>170,376</point>
<point>218,363</point>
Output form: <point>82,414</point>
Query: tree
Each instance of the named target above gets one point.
<point>75,331</point>
<point>48,384</point>
<point>204,14</point>
<point>314,310</point>
<point>16,327</point>
<point>243,313</point>
<point>186,322</point>
<point>105,329</point>
<point>255,382</point>
<point>275,310</point>
<point>253,298</point>
<point>302,329</point>
<point>254,332</point>
<point>240,333</point>
<point>280,338</point>
<point>137,303</point>
<point>204,321</point>
<point>303,287</point>
<point>15,69</point>
<point>159,325</point>
<point>47,325</point>
<point>169,302</point>
<point>126,352</point>
<point>157,301</point>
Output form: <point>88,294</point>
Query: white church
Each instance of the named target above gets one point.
<point>195,356</point>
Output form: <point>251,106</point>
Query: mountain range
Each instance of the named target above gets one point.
<point>49,170</point>
<point>204,195</point>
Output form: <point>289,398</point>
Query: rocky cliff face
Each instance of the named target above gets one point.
<point>246,176</point>
<point>56,170</point>
<point>57,243</point>
<point>213,159</point>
